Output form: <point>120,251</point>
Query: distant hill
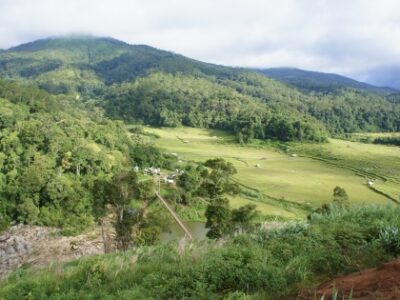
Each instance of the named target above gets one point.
<point>82,62</point>
<point>318,81</point>
<point>142,84</point>
<point>383,76</point>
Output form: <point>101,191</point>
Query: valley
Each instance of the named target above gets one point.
<point>304,174</point>
<point>287,178</point>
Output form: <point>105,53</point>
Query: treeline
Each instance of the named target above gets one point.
<point>388,140</point>
<point>340,110</point>
<point>173,100</point>
<point>52,151</point>
<point>250,106</point>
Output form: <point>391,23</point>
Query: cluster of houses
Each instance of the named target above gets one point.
<point>170,178</point>
<point>153,171</point>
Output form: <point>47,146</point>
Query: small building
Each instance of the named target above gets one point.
<point>168,180</point>
<point>153,171</point>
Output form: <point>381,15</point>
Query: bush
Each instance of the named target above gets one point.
<point>389,238</point>
<point>275,264</point>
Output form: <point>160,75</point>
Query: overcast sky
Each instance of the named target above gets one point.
<point>343,36</point>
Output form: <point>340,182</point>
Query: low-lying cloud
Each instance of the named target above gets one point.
<point>328,35</point>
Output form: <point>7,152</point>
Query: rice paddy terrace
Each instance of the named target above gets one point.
<point>288,180</point>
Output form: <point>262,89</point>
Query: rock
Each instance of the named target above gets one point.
<point>9,250</point>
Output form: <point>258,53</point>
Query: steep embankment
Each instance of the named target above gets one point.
<point>378,283</point>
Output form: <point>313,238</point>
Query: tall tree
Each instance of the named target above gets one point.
<point>218,217</point>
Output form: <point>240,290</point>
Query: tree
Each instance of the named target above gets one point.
<point>189,182</point>
<point>243,216</point>
<point>217,181</point>
<point>218,218</point>
<point>340,196</point>
<point>121,193</point>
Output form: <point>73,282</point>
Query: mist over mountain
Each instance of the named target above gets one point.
<point>139,83</point>
<point>324,82</point>
<point>388,76</point>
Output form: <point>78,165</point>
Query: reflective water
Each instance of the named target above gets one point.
<point>174,232</point>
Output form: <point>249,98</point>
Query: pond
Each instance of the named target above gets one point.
<point>174,232</point>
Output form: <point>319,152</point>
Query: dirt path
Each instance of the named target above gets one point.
<point>381,283</point>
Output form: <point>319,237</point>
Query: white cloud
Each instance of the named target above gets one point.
<point>329,35</point>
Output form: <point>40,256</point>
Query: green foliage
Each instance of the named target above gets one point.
<point>280,263</point>
<point>387,141</point>
<point>218,218</point>
<point>209,180</point>
<point>389,237</point>
<point>189,182</point>
<point>122,192</point>
<point>222,221</point>
<point>218,181</point>
<point>52,151</point>
<point>146,85</point>
<point>242,217</point>
<point>173,100</point>
<point>340,196</point>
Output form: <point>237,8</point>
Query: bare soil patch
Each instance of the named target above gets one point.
<point>381,283</point>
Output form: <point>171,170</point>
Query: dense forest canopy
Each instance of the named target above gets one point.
<point>173,100</point>
<point>64,164</point>
<point>52,151</point>
<point>138,83</point>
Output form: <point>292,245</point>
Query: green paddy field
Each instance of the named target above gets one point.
<point>288,180</point>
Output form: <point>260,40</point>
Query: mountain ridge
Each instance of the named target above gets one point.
<point>320,81</point>
<point>304,79</point>
<point>139,83</point>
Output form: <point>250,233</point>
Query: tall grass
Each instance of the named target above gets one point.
<point>282,263</point>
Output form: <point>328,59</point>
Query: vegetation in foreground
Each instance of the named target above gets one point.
<point>283,263</point>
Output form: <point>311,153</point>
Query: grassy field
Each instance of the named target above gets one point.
<point>376,162</point>
<point>376,134</point>
<point>288,183</point>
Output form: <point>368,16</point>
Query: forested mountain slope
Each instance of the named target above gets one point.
<point>143,84</point>
<point>53,150</point>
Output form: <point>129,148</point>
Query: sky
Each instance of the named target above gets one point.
<point>342,36</point>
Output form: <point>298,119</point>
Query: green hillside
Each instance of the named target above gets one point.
<point>53,153</point>
<point>276,178</point>
<point>286,206</point>
<point>125,79</point>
